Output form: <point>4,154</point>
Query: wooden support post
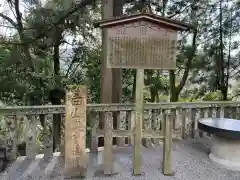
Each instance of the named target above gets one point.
<point>106,73</point>
<point>138,122</point>
<point>108,137</point>
<point>167,149</point>
<point>75,132</point>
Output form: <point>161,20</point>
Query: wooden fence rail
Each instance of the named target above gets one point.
<point>161,121</point>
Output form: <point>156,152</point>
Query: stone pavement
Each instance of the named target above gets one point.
<point>190,162</point>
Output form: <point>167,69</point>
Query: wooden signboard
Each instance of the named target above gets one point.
<point>75,131</point>
<point>140,41</point>
<point>141,44</point>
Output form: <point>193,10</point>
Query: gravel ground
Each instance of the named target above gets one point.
<point>190,162</point>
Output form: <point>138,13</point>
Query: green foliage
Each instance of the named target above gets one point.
<point>69,52</point>
<point>212,96</point>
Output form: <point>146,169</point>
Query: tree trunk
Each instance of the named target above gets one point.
<point>223,79</point>
<point>173,91</point>
<point>57,94</point>
<point>176,90</point>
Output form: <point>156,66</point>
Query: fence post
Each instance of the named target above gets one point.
<point>167,146</point>
<point>11,137</point>
<point>75,132</point>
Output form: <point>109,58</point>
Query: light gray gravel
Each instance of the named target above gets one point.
<point>190,162</point>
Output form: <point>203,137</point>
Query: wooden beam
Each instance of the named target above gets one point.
<point>167,146</point>
<point>138,122</point>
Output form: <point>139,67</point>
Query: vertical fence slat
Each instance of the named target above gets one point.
<point>222,112</point>
<point>227,112</point>
<point>184,123</point>
<point>31,137</point>
<point>238,112</point>
<point>48,136</point>
<point>11,137</point>
<point>154,125</point>
<point>218,111</point>
<point>130,124</point>
<point>193,122</point>
<point>178,125</point>
<point>205,115</point>
<point>162,121</point>
<point>173,116</point>
<point>234,112</point>
<point>201,115</point>
<point>167,149</point>
<point>94,139</point>
<point>62,150</point>
<point>120,141</point>
<point>154,120</point>
<point>214,112</point>
<point>108,138</point>
<point>197,117</point>
<point>147,121</point>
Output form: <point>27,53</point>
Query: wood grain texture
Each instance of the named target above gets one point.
<point>167,150</point>
<point>108,138</point>
<point>138,122</point>
<point>147,53</point>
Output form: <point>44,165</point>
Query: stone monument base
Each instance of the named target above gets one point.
<point>225,153</point>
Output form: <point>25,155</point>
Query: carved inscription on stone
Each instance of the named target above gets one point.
<point>75,131</point>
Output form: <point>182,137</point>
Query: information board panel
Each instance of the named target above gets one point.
<point>141,45</point>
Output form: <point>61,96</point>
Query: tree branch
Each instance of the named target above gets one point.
<point>179,12</point>
<point>9,20</point>
<point>83,4</point>
<point>51,26</point>
<point>189,63</point>
<point>18,16</point>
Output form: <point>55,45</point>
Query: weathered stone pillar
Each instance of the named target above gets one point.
<point>75,132</point>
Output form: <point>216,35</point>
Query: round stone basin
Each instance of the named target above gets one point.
<point>225,151</point>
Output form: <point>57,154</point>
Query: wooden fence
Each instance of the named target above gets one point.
<point>162,121</point>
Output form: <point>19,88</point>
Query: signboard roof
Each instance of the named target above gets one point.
<point>161,21</point>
